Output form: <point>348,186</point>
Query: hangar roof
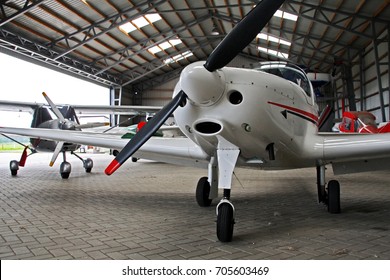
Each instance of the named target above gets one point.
<point>89,37</point>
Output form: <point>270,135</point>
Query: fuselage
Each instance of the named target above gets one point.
<point>273,120</point>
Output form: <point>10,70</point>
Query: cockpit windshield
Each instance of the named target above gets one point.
<point>289,72</point>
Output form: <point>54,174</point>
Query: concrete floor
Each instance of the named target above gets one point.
<point>147,210</point>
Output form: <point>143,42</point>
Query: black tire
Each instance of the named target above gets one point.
<point>334,197</point>
<point>225,222</point>
<point>14,167</point>
<point>202,192</point>
<point>65,175</point>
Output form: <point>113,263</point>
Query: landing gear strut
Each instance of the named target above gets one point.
<point>87,163</point>
<point>329,195</point>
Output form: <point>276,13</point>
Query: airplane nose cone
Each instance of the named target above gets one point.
<point>202,87</point>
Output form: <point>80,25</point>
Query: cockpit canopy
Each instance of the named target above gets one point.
<point>289,72</point>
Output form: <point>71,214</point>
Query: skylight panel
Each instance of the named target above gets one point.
<point>267,37</point>
<point>139,22</point>
<point>286,15</point>
<point>273,52</point>
<point>165,45</point>
<point>127,27</point>
<point>178,57</point>
<point>153,17</point>
<point>175,42</point>
<point>154,49</point>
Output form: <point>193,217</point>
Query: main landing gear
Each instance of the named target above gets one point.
<point>65,167</point>
<point>330,194</point>
<point>207,190</point>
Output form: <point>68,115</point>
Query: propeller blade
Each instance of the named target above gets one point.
<point>57,150</point>
<point>146,132</point>
<point>54,108</point>
<point>242,34</point>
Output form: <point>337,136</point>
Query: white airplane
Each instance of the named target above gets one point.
<point>263,118</point>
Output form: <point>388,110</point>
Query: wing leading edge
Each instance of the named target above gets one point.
<point>17,106</point>
<point>170,150</point>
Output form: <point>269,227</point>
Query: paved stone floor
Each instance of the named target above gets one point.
<point>147,210</point>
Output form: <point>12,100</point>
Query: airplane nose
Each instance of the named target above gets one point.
<point>202,87</point>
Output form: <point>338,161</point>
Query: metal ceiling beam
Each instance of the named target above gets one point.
<point>44,55</point>
<point>97,29</point>
<point>322,9</point>
<point>323,19</point>
<point>7,16</point>
<point>311,46</point>
<point>156,64</point>
<point>158,80</point>
<point>148,43</point>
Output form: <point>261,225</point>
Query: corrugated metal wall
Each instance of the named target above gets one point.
<point>365,81</point>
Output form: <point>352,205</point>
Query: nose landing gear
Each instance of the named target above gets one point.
<point>220,176</point>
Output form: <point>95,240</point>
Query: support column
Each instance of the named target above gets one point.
<point>378,72</point>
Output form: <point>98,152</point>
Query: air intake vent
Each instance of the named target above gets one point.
<point>208,127</point>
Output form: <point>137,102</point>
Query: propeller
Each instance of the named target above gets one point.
<point>57,150</point>
<point>60,144</point>
<point>54,108</point>
<point>241,35</point>
<point>146,132</point>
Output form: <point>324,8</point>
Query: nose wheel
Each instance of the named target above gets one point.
<point>225,220</point>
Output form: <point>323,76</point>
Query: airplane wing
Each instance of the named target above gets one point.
<point>115,110</point>
<point>17,106</point>
<point>179,150</point>
<point>355,152</point>
<point>348,153</point>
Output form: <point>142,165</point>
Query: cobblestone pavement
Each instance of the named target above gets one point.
<point>147,210</point>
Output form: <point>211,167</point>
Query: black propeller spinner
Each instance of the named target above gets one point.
<point>234,42</point>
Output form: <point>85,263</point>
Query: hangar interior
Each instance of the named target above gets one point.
<point>138,48</point>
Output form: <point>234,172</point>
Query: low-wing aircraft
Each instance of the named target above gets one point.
<point>66,119</point>
<point>262,118</point>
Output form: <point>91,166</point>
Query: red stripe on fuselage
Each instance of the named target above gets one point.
<point>308,115</point>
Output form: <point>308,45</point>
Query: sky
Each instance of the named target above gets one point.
<point>25,81</point>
